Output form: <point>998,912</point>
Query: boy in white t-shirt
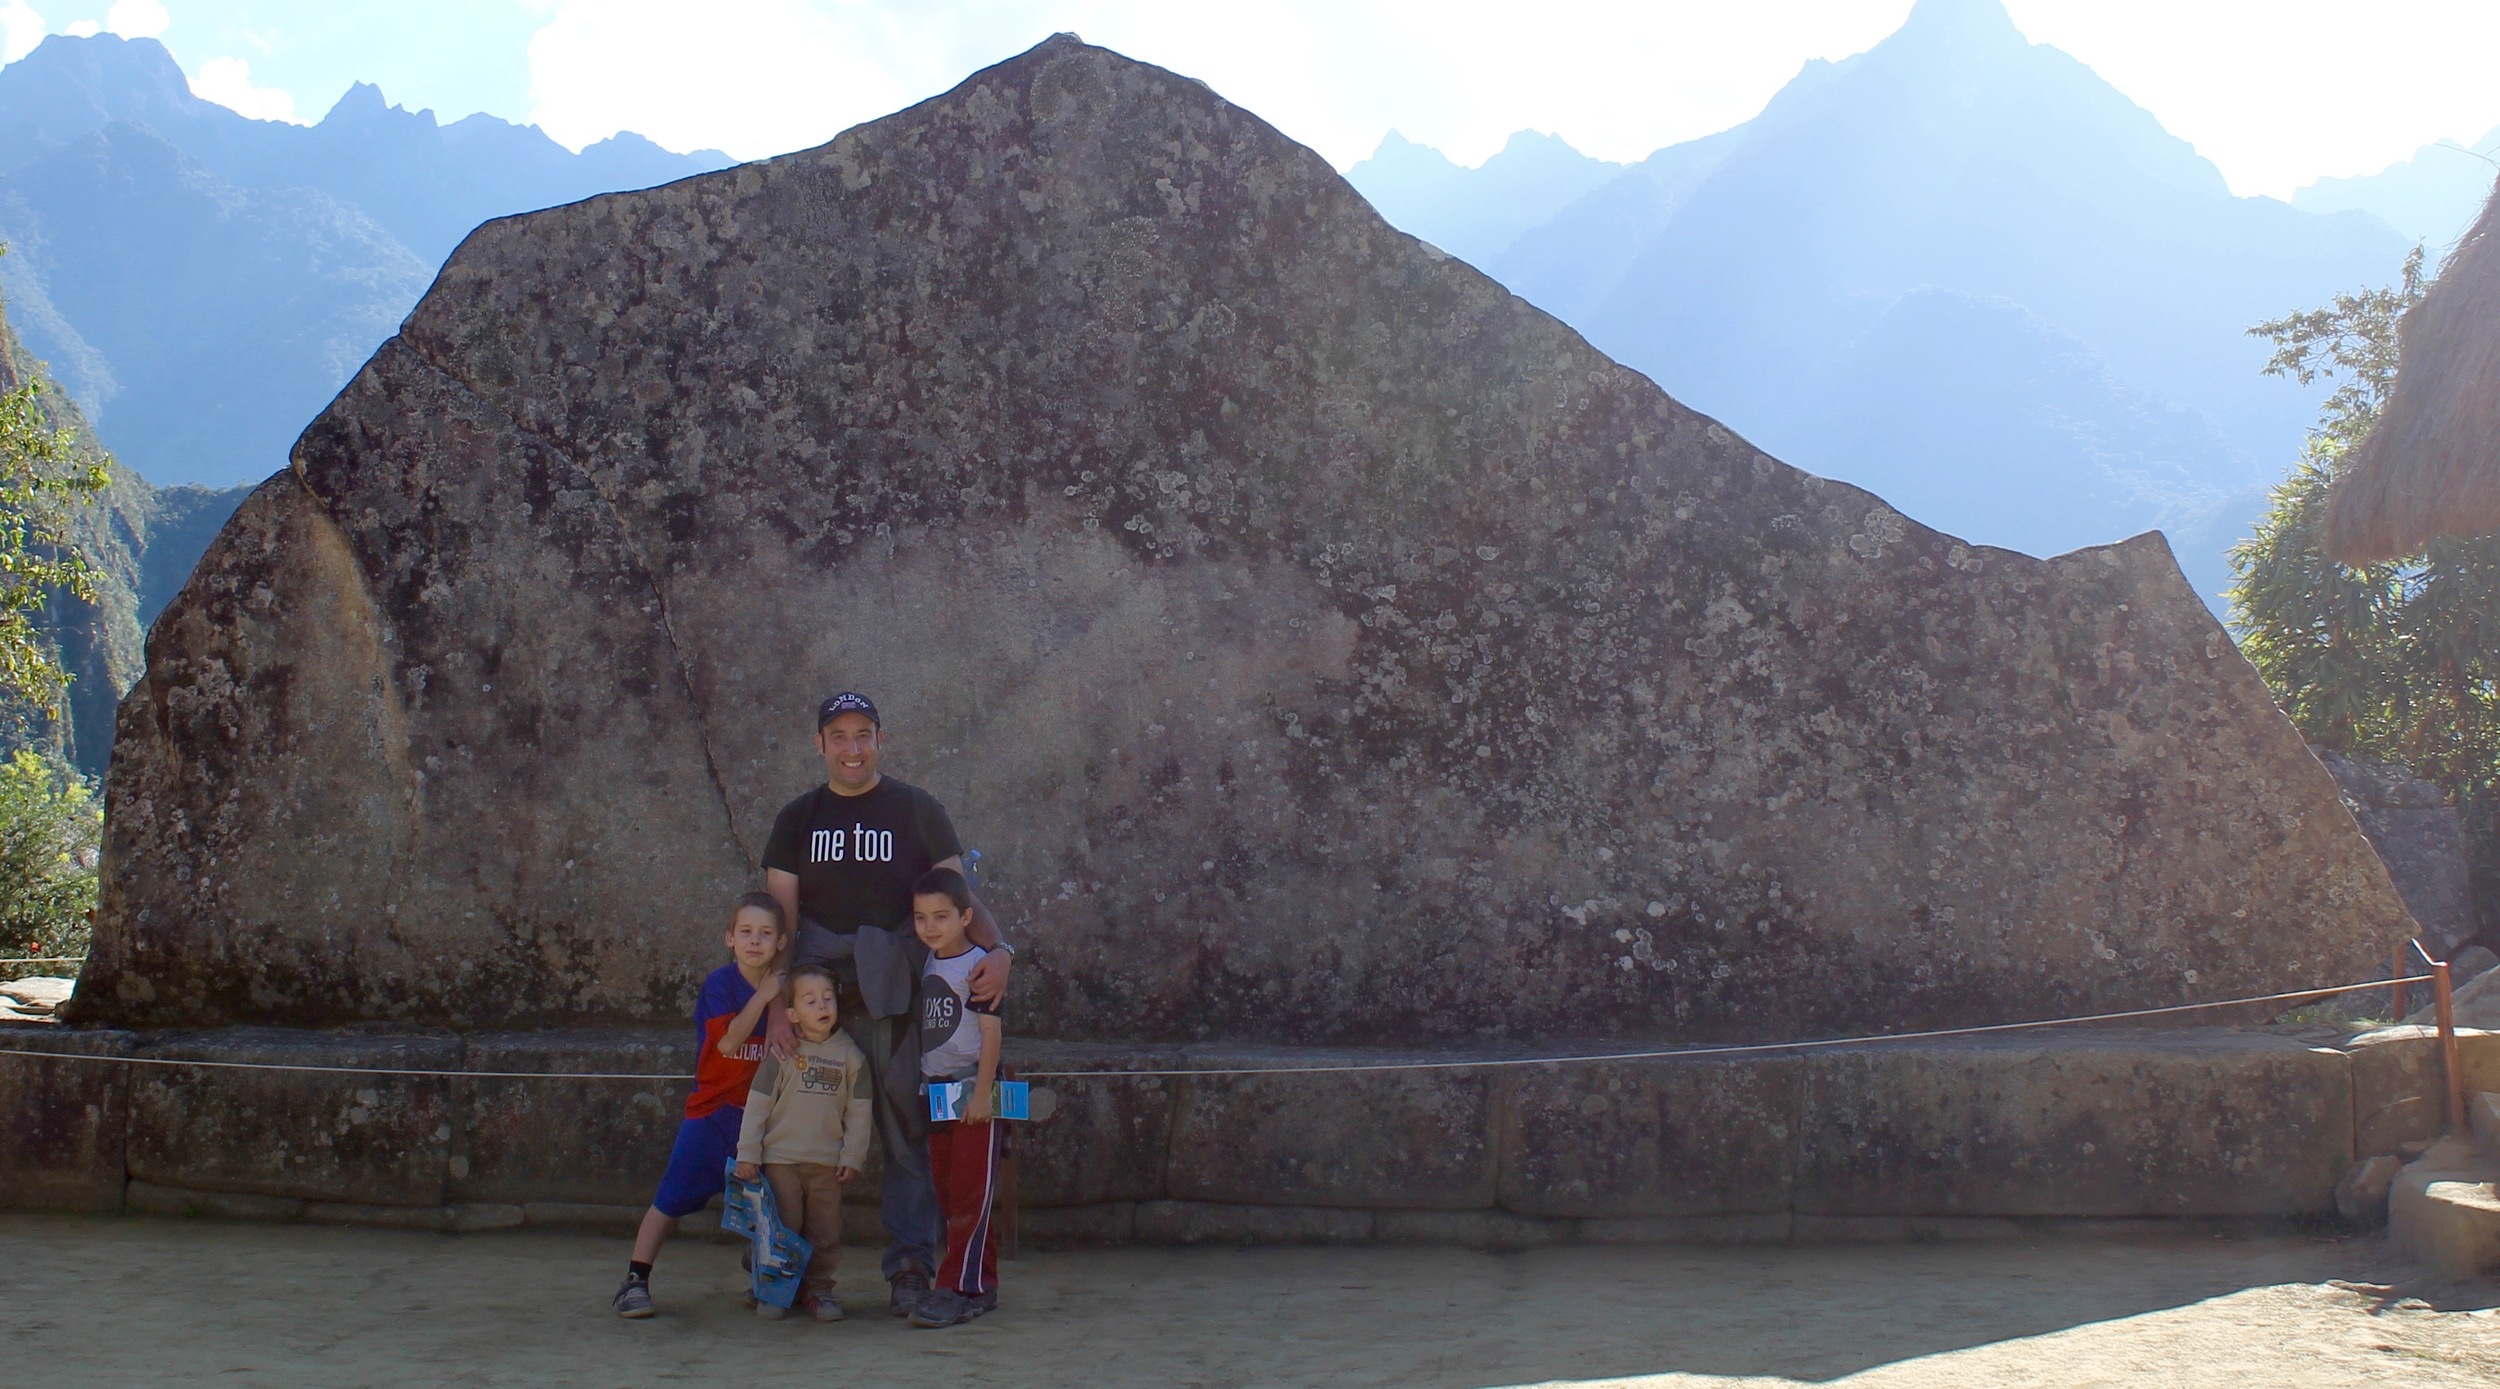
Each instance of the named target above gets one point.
<point>959,1040</point>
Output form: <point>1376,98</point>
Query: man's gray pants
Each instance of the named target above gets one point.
<point>915,1226</point>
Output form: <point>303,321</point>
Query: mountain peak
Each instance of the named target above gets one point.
<point>70,86</point>
<point>101,58</point>
<point>1537,141</point>
<point>1961,22</point>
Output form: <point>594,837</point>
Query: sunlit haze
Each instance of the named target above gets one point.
<point>2275,92</point>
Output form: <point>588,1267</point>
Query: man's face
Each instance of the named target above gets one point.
<point>813,1009</point>
<point>754,937</point>
<point>849,744</point>
<point>939,923</point>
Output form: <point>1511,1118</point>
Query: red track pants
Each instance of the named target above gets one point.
<point>963,1163</point>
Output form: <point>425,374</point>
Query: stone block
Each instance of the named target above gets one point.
<point>2482,1120</point>
<point>2361,1197</point>
<point>1666,1138</point>
<point>2445,1211</point>
<point>147,1198</point>
<point>588,1142</point>
<point>2398,1094</point>
<point>312,1135</point>
<point>1105,1139</point>
<point>1895,1229</point>
<point>705,1224</point>
<point>1499,1231</point>
<point>67,1117</point>
<point>2201,1123</point>
<point>1212,1222</point>
<point>386,1217</point>
<point>1773,1228</point>
<point>1401,1140</point>
<point>583,1215</point>
<point>1114,1222</point>
<point>469,1217</point>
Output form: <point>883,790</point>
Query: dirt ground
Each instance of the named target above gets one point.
<point>127,1301</point>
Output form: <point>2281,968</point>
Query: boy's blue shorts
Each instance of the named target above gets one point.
<point>704,1146</point>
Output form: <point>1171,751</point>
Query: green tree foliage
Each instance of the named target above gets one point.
<point>50,829</point>
<point>2395,661</point>
<point>43,480</point>
<point>50,823</point>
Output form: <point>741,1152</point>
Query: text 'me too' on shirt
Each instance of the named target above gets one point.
<point>856,857</point>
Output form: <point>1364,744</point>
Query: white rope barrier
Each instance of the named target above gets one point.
<point>1672,1053</point>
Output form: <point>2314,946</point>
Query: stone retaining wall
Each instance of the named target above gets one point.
<point>1893,1140</point>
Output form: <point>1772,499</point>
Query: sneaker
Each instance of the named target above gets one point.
<point>977,1306</point>
<point>944,1307</point>
<point>633,1297</point>
<point>821,1306</point>
<point>770,1312</point>
<point>906,1288</point>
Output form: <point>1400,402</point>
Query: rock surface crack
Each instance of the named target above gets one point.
<point>625,541</point>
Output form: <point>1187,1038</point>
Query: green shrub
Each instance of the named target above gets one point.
<point>51,826</point>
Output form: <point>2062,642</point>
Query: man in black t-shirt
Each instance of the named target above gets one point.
<point>841,860</point>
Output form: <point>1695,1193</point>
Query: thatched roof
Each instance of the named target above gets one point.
<point>2431,467</point>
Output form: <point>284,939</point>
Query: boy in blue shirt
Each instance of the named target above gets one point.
<point>727,1011</point>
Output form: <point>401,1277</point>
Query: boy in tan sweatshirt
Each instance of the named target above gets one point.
<point>806,1126</point>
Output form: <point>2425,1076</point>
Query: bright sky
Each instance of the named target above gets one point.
<point>2276,92</point>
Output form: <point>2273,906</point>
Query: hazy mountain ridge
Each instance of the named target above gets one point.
<point>1476,212</point>
<point>2431,197</point>
<point>1799,276</point>
<point>201,282</point>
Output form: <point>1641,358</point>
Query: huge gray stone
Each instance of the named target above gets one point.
<point>1324,644</point>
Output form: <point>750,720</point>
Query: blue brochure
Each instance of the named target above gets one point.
<point>780,1256</point>
<point>947,1097</point>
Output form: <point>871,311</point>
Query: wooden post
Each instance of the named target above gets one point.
<point>2448,1058</point>
<point>2399,977</point>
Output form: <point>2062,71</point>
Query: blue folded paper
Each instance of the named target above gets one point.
<point>947,1099</point>
<point>780,1255</point>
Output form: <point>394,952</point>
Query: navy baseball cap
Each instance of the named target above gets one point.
<point>847,702</point>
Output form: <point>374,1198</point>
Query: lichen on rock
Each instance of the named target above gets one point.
<point>1321,643</point>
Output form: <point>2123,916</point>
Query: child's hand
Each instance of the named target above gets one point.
<point>978,1111</point>
<point>746,1171</point>
<point>844,1174</point>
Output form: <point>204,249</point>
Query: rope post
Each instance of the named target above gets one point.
<point>2448,1058</point>
<point>2399,977</point>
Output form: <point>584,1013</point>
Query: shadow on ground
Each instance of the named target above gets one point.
<point>128,1300</point>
